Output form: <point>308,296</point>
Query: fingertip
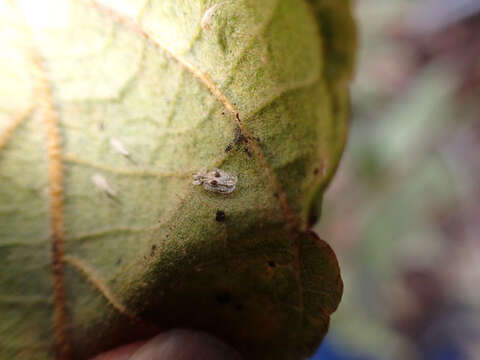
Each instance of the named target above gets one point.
<point>184,344</point>
<point>124,352</point>
<point>176,344</point>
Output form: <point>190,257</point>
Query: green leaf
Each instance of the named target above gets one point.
<point>107,110</point>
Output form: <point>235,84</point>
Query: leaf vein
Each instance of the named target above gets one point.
<point>283,91</point>
<point>104,232</point>
<point>91,275</point>
<point>75,159</point>
<point>16,121</point>
<point>55,175</point>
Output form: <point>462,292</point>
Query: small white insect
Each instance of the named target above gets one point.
<point>118,146</point>
<point>207,16</point>
<point>103,185</point>
<point>217,181</point>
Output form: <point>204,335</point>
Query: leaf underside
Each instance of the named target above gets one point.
<point>107,109</point>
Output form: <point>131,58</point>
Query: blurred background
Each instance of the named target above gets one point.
<point>403,212</point>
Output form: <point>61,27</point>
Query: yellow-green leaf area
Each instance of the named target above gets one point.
<point>107,110</point>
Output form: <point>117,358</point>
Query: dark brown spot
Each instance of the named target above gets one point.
<point>316,171</point>
<point>241,139</point>
<point>229,147</point>
<point>118,262</point>
<point>312,218</point>
<point>152,252</point>
<point>223,297</point>
<point>247,151</point>
<point>276,195</point>
<point>213,182</point>
<point>220,216</point>
<point>217,174</point>
<point>238,136</point>
<point>272,264</point>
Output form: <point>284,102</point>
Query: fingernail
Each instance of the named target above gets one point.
<point>183,344</point>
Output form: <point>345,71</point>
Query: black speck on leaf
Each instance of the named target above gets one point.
<point>223,297</point>
<point>220,216</point>
<point>152,252</point>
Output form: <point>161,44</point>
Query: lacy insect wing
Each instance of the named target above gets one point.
<point>217,181</point>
